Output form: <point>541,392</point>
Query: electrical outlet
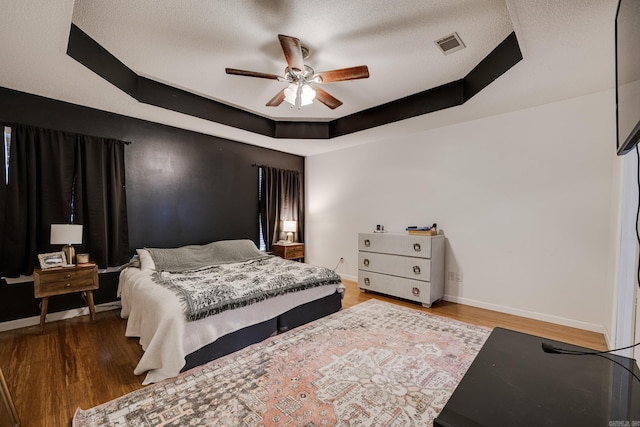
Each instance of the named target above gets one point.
<point>451,276</point>
<point>341,260</point>
<point>458,277</point>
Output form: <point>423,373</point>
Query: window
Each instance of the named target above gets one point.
<point>6,151</point>
<point>280,198</point>
<point>68,177</point>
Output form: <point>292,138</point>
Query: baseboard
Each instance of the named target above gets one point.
<point>607,339</point>
<point>593,327</point>
<point>60,315</point>
<point>348,277</point>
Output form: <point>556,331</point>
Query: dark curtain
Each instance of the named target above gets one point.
<point>46,169</point>
<point>281,199</point>
<point>100,199</point>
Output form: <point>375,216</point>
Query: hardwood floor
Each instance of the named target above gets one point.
<point>79,363</point>
<point>492,319</point>
<point>72,363</point>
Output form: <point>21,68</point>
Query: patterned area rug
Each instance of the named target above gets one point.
<point>375,364</point>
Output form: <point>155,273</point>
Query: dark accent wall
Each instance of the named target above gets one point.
<point>183,187</point>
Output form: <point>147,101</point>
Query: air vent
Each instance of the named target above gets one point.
<point>450,43</point>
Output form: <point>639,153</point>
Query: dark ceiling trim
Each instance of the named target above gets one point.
<point>428,101</point>
<point>169,97</point>
<point>92,55</point>
<point>498,62</point>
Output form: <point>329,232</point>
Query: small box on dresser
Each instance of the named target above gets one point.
<point>401,265</point>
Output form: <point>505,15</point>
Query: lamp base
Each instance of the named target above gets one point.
<point>69,253</point>
<point>290,237</point>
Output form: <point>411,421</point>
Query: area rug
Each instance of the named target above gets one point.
<point>374,364</point>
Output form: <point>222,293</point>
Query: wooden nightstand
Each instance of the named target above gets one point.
<point>65,280</point>
<point>289,251</point>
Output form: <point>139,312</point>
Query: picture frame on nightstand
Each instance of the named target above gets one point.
<point>52,260</point>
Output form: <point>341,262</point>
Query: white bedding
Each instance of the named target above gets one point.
<point>155,315</point>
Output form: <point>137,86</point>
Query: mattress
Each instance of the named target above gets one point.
<point>155,315</point>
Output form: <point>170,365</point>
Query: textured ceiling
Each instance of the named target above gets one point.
<point>190,46</point>
<point>567,47</point>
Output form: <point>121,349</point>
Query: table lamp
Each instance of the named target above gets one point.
<point>289,227</point>
<point>67,235</point>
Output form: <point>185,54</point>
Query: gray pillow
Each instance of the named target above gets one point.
<point>193,257</point>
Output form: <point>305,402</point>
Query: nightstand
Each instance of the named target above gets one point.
<point>289,250</point>
<point>65,280</point>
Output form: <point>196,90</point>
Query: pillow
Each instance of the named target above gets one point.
<point>133,262</point>
<point>193,257</point>
<point>146,261</point>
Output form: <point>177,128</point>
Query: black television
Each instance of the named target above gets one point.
<point>627,75</point>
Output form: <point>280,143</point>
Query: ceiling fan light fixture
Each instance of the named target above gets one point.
<point>299,94</point>
<point>291,93</point>
<point>300,76</point>
<point>307,95</point>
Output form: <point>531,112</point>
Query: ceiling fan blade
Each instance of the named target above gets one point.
<point>327,99</point>
<point>292,52</point>
<point>251,74</point>
<point>351,73</point>
<point>276,100</point>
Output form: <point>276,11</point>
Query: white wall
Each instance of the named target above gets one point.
<point>526,199</point>
<point>627,256</point>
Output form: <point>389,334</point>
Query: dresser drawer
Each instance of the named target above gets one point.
<point>57,282</point>
<point>397,244</point>
<point>65,274</point>
<point>409,267</point>
<point>414,290</point>
<point>290,251</point>
<point>295,252</point>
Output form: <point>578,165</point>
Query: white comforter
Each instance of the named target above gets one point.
<point>155,315</point>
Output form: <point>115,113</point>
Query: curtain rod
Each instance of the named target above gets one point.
<point>8,124</point>
<point>256,165</point>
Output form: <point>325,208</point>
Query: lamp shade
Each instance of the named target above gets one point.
<point>299,94</point>
<point>289,226</point>
<point>291,93</point>
<point>307,95</point>
<point>66,234</point>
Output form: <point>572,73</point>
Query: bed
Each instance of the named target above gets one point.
<point>193,304</point>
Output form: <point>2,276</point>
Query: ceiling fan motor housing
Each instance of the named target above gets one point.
<point>305,76</point>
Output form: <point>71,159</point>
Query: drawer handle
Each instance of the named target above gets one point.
<point>68,285</point>
<point>416,292</point>
<point>367,243</point>
<point>416,247</point>
<point>67,276</point>
<point>416,269</point>
<point>367,281</point>
<point>366,262</point>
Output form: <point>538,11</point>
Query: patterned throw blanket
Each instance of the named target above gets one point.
<point>214,289</point>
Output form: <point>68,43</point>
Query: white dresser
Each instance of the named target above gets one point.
<point>402,265</point>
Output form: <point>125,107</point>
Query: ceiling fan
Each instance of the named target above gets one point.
<point>300,77</point>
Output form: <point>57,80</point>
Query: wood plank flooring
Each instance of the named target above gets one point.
<point>79,363</point>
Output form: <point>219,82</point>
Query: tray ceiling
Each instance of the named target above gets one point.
<point>567,48</point>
